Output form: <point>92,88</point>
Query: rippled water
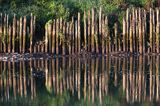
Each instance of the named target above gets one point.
<point>66,81</point>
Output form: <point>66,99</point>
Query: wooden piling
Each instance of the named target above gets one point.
<point>70,38</point>
<point>92,32</point>
<point>140,32</point>
<point>151,30</point>
<point>14,33</point>
<point>64,38</point>
<point>124,34</point>
<point>53,36</point>
<point>9,39</point>
<point>75,35</point>
<point>127,29</point>
<point>31,32</point>
<point>20,36</point>
<point>46,38</point>
<point>1,34</point>
<point>85,32</point>
<point>100,29</point>
<point>4,33</point>
<point>157,29</point>
<point>89,32</point>
<point>24,33</point>
<point>144,30</point>
<point>116,37</point>
<point>79,34</point>
<point>57,34</point>
<point>49,38</point>
<point>106,35</point>
<point>130,34</point>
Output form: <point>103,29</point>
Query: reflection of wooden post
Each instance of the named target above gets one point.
<point>85,79</point>
<point>157,78</point>
<point>14,80</point>
<point>24,79</point>
<point>123,75</point>
<point>21,77</point>
<point>57,78</point>
<point>78,79</point>
<point>92,79</point>
<point>150,80</point>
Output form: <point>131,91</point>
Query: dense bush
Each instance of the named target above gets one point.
<point>46,10</point>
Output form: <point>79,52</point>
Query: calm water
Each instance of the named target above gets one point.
<point>66,81</point>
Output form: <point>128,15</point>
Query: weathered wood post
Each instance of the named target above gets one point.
<point>46,38</point>
<point>154,34</point>
<point>75,35</point>
<point>49,38</point>
<point>53,36</point>
<point>151,31</point>
<point>144,30</point>
<point>70,38</point>
<point>157,30</point>
<point>140,32</point>
<point>9,39</point>
<point>131,34</point>
<point>92,32</point>
<point>124,34</point>
<point>31,32</point>
<point>4,33</point>
<point>89,32</point>
<point>116,37</point>
<point>127,30</point>
<point>63,38</point>
<point>20,36</point>
<point>105,32</point>
<point>101,34</point>
<point>1,33</point>
<point>24,34</point>
<point>78,34</point>
<point>85,33</point>
<point>57,34</point>
<point>14,33</point>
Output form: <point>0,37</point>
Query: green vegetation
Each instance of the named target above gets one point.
<point>46,10</point>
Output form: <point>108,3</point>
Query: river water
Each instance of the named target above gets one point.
<point>112,81</point>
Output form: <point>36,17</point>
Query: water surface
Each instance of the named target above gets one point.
<point>68,81</point>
